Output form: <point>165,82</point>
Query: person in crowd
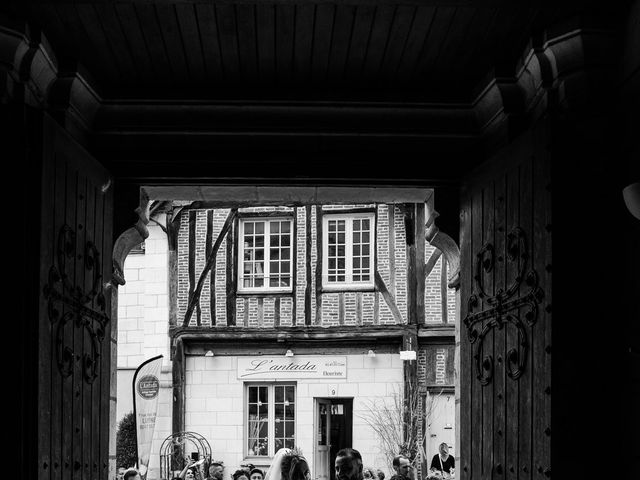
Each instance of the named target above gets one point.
<point>216,470</point>
<point>131,474</point>
<point>240,474</point>
<point>256,474</point>
<point>369,474</point>
<point>348,464</point>
<point>247,467</point>
<point>288,464</point>
<point>380,474</point>
<point>192,469</point>
<point>192,473</point>
<point>403,468</point>
<point>442,462</point>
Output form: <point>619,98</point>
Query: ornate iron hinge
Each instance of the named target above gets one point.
<point>69,306</point>
<point>504,309</point>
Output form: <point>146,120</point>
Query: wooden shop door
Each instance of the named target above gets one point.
<point>334,431</point>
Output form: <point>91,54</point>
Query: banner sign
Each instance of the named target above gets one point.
<point>146,388</point>
<point>327,367</point>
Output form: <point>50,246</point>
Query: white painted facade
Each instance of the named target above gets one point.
<point>143,323</point>
<point>215,404</point>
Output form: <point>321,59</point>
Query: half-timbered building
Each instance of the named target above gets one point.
<point>291,320</point>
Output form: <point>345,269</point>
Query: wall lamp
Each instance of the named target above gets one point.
<point>209,353</point>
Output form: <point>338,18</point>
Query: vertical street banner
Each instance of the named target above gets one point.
<point>146,388</point>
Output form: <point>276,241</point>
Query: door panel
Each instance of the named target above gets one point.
<point>341,429</point>
<point>74,310</point>
<point>334,421</point>
<point>323,439</point>
<point>441,427</point>
<point>505,365</point>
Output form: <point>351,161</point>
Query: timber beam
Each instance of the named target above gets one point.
<point>350,335</point>
<point>381,334</point>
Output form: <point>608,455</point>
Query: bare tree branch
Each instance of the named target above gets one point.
<point>399,433</point>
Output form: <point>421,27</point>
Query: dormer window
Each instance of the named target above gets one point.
<point>265,253</point>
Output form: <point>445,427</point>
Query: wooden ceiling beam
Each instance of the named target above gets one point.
<point>434,3</point>
<point>238,195</point>
<point>337,117</point>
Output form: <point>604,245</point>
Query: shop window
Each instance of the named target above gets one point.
<point>265,252</point>
<point>348,245</point>
<point>271,416</point>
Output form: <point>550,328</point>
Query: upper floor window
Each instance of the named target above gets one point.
<point>348,244</point>
<point>265,250</point>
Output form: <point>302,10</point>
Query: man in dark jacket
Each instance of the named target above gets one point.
<point>348,464</point>
<point>403,468</point>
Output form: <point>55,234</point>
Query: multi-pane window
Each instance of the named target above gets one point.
<point>265,252</point>
<point>271,418</point>
<point>348,247</point>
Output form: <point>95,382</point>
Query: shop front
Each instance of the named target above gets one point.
<point>320,401</point>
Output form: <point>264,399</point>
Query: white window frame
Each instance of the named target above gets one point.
<point>267,264</point>
<point>271,414</point>
<point>348,284</point>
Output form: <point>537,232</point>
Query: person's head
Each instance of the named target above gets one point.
<point>247,467</point>
<point>444,449</point>
<point>216,470</point>
<point>190,474</point>
<point>295,467</point>
<point>401,465</point>
<point>256,474</point>
<point>240,474</point>
<point>369,474</point>
<point>131,475</point>
<point>380,474</point>
<point>348,464</point>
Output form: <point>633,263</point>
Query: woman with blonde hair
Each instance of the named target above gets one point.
<point>442,462</point>
<point>288,464</point>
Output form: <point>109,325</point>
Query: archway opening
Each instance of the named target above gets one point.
<point>198,289</point>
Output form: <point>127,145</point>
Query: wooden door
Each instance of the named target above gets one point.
<point>74,338</point>
<point>341,429</point>
<point>441,424</point>
<point>505,331</point>
<point>323,439</point>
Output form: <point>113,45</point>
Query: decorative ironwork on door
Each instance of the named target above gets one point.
<point>504,307</point>
<point>70,305</point>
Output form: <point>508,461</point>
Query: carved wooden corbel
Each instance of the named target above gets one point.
<point>568,64</point>
<point>32,76</point>
<point>442,242</point>
<point>73,103</point>
<point>130,238</point>
<point>18,55</point>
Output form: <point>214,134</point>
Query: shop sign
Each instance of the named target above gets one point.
<point>327,367</point>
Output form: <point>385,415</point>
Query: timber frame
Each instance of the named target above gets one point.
<point>223,341</point>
